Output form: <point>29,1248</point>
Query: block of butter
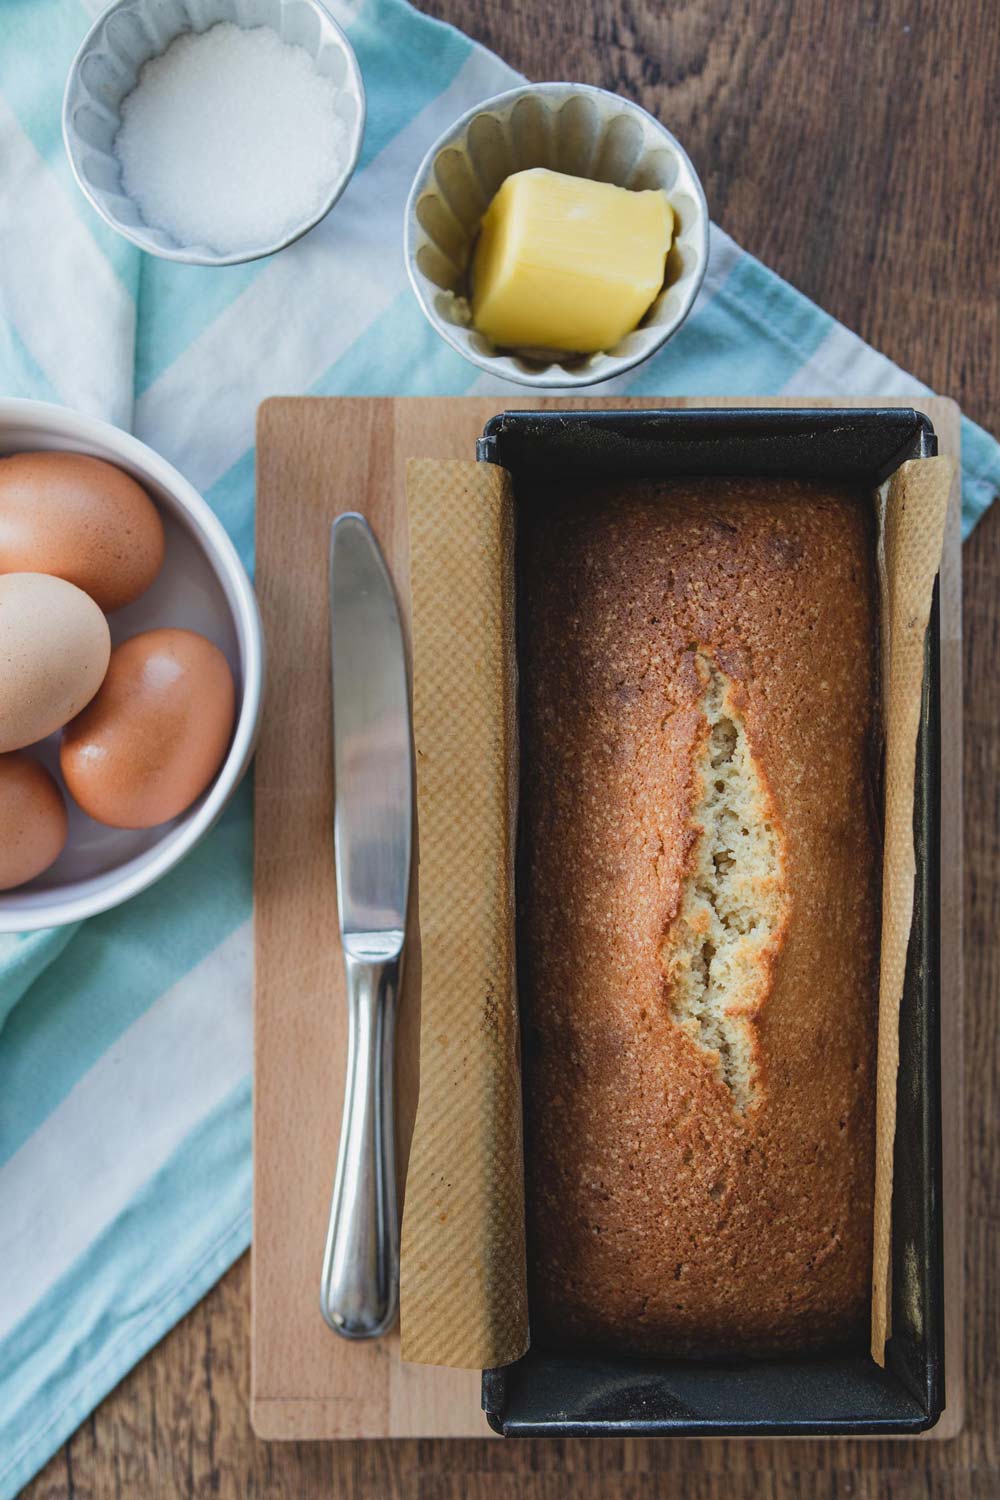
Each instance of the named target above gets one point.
<point>567,264</point>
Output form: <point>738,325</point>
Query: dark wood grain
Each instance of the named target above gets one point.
<point>852,147</point>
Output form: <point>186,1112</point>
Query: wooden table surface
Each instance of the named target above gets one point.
<point>851,146</point>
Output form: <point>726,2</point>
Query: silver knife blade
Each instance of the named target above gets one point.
<point>372,744</point>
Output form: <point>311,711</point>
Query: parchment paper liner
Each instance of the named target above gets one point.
<point>911,517</point>
<point>463,1297</point>
<point>463,1290</point>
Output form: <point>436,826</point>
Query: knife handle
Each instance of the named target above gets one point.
<point>360,1287</point>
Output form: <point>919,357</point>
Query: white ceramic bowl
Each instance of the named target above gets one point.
<point>202,586</point>
<point>106,68</point>
<point>572,128</point>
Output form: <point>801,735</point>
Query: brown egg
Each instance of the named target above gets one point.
<point>32,817</point>
<point>54,649</point>
<point>81,519</point>
<point>157,732</point>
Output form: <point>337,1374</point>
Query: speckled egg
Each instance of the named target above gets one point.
<point>33,819</point>
<point>156,733</point>
<point>81,519</point>
<point>54,650</point>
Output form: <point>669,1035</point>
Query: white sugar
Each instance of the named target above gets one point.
<point>231,138</point>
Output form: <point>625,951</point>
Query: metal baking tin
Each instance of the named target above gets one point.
<point>551,1394</point>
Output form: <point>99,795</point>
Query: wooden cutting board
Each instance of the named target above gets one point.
<point>317,457</point>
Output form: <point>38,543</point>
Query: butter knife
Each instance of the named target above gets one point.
<point>373,814</point>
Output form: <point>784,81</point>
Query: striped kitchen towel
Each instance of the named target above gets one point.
<point>125,1048</point>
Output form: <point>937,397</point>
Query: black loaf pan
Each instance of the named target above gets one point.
<point>551,1394</point>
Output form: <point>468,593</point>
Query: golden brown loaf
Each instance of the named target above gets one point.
<point>698,912</point>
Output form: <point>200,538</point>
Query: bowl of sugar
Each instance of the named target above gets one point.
<point>213,131</point>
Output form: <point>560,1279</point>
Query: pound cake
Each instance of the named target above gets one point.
<point>698,912</point>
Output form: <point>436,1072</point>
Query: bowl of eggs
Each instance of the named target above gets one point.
<point>131,666</point>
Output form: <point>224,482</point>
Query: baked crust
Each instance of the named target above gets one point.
<point>664,1215</point>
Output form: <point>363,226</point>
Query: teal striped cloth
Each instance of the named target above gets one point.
<point>125,1049</point>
